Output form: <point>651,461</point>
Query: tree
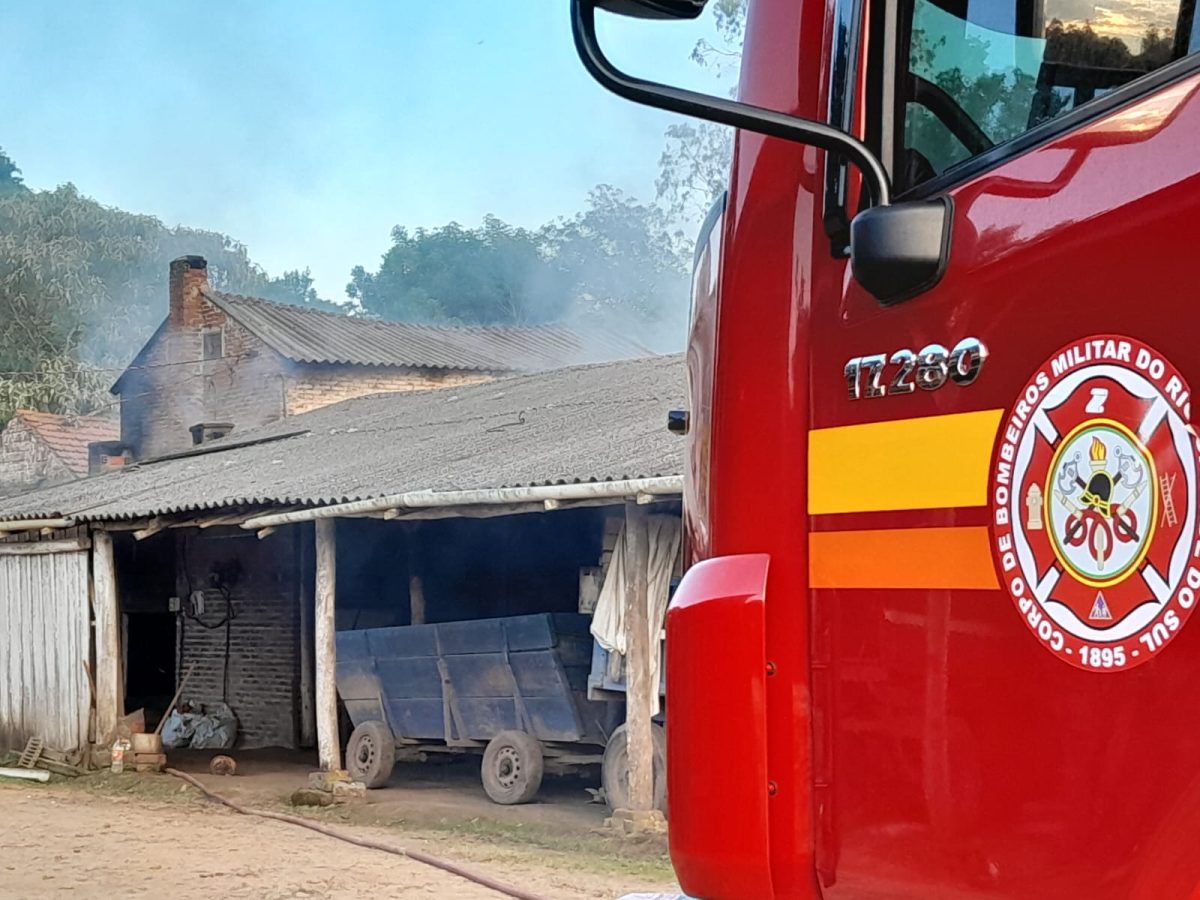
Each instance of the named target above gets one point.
<point>619,265</point>
<point>295,288</point>
<point>82,286</point>
<point>615,263</point>
<point>1005,101</point>
<point>10,176</point>
<point>694,167</point>
<point>451,274</point>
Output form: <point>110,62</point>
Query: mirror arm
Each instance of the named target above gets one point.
<point>722,111</point>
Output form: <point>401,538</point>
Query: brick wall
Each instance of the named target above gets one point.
<point>310,387</point>
<point>172,388</point>
<point>175,388</point>
<point>26,462</point>
<point>264,662</point>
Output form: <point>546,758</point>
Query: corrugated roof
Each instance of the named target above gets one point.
<point>68,436</point>
<point>313,336</point>
<point>601,422</point>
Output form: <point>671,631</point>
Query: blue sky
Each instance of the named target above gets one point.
<point>308,129</point>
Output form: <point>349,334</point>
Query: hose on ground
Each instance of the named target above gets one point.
<point>415,855</point>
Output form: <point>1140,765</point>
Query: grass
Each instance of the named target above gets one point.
<point>599,852</point>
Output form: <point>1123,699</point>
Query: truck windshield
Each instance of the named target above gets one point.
<point>981,72</point>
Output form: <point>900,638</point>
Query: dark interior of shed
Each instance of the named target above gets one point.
<point>469,568</point>
<point>146,573</point>
<point>245,636</point>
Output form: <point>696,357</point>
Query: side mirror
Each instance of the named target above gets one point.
<point>896,252</point>
<point>899,251</point>
<point>713,109</point>
<point>655,9</point>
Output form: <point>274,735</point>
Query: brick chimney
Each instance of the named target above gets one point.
<point>204,432</point>
<point>106,455</point>
<point>189,274</point>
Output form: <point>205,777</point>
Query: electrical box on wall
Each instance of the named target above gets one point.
<point>591,579</point>
<point>173,604</point>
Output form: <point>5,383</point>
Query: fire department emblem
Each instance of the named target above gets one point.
<point>1094,504</point>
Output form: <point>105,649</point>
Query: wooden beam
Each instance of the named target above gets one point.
<point>18,525</point>
<point>157,524</point>
<point>308,721</point>
<point>639,698</point>
<point>460,512</point>
<point>108,629</point>
<point>230,519</point>
<point>127,525</point>
<point>329,750</point>
<point>264,533</point>
<point>38,548</point>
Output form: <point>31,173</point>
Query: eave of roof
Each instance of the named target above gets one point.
<point>587,424</point>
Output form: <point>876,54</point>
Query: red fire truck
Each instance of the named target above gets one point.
<point>942,496</point>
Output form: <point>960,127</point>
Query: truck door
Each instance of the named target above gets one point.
<point>1003,475</point>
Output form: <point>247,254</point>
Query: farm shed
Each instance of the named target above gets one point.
<point>241,557</point>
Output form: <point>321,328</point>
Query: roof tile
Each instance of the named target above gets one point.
<point>68,436</point>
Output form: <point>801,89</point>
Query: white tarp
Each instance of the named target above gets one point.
<point>608,621</point>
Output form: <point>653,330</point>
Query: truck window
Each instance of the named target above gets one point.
<point>977,73</point>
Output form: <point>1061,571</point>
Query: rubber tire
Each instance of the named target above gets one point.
<point>512,768</point>
<point>614,769</point>
<point>371,754</point>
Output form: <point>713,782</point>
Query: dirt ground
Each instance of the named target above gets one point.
<point>151,835</point>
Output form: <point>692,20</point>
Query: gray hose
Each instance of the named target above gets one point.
<point>416,855</point>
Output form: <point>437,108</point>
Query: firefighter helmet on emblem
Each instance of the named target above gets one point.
<point>1094,488</point>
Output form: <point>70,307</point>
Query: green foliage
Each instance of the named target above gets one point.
<point>1080,45</point>
<point>59,384</point>
<point>83,285</point>
<point>295,288</point>
<point>618,262</point>
<point>616,258</point>
<point>10,176</point>
<point>694,167</point>
<point>454,274</point>
<point>1000,99</point>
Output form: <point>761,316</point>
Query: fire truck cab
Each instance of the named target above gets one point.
<point>942,487</point>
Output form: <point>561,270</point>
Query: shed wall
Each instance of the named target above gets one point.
<point>26,462</point>
<point>264,664</point>
<point>44,642</point>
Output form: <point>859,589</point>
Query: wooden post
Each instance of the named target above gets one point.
<point>306,581</point>
<point>108,642</point>
<point>416,600</point>
<point>329,749</point>
<point>638,697</point>
<point>416,587</point>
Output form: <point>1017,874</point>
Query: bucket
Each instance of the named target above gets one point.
<point>147,743</point>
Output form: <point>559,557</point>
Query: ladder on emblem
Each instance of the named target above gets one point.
<point>1166,485</point>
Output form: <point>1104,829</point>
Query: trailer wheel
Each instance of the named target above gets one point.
<point>371,754</point>
<point>614,769</point>
<point>512,767</point>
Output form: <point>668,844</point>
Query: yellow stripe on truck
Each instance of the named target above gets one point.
<point>934,462</point>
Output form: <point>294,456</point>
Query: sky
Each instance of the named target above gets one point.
<point>307,130</point>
